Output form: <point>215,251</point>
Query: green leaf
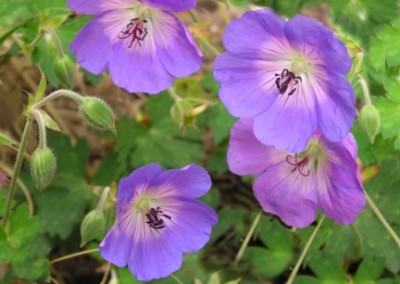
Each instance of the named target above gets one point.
<point>5,248</point>
<point>41,88</point>
<point>62,205</point>
<point>328,268</point>
<point>71,159</point>
<point>107,171</point>
<point>268,263</point>
<point>370,269</point>
<point>6,140</point>
<point>159,140</point>
<point>49,122</point>
<point>214,278</point>
<point>305,279</point>
<point>271,262</point>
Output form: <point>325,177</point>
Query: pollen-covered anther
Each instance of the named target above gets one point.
<point>155,218</point>
<point>135,30</point>
<point>287,79</point>
<point>299,165</point>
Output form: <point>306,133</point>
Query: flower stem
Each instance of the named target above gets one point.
<point>304,252</point>
<point>73,255</point>
<point>382,219</point>
<point>176,279</point>
<point>59,93</point>
<point>106,273</point>
<point>247,239</point>
<point>42,129</point>
<point>209,45</point>
<point>365,89</point>
<point>17,168</point>
<point>359,240</point>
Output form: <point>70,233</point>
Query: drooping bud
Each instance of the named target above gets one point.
<point>43,167</point>
<point>370,121</point>
<point>64,70</point>
<point>51,45</point>
<point>97,114</point>
<point>92,226</point>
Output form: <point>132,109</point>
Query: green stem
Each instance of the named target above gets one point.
<point>209,45</point>
<point>357,65</point>
<point>359,240</point>
<point>304,252</point>
<point>174,95</point>
<point>73,255</point>
<point>247,239</point>
<point>42,129</point>
<point>176,279</point>
<point>17,168</point>
<point>59,93</point>
<point>382,219</point>
<point>365,89</point>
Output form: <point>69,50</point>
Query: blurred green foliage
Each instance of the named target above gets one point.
<point>362,253</point>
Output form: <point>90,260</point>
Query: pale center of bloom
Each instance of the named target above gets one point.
<point>311,157</point>
<point>299,65</point>
<point>136,29</point>
<point>153,215</point>
<point>287,80</point>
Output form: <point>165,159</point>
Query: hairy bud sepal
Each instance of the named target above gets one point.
<point>93,225</point>
<point>43,167</point>
<point>97,114</point>
<point>370,121</point>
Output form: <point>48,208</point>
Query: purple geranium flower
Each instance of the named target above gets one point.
<point>293,186</point>
<point>289,76</point>
<point>158,219</point>
<point>141,42</point>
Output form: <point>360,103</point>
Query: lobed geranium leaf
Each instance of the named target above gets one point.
<point>276,258</point>
<point>62,205</point>
<point>369,270</point>
<point>328,268</point>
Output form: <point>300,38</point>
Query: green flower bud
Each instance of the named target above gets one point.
<point>64,70</point>
<point>180,111</point>
<point>51,45</point>
<point>92,226</point>
<point>43,167</point>
<point>370,121</point>
<point>97,114</point>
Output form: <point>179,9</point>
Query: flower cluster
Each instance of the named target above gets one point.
<point>294,185</point>
<point>289,76</point>
<point>286,82</point>
<point>141,42</point>
<point>158,219</point>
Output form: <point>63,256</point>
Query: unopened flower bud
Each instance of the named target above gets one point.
<point>97,114</point>
<point>64,70</point>
<point>51,45</point>
<point>43,167</point>
<point>92,226</point>
<point>370,121</point>
<point>180,111</point>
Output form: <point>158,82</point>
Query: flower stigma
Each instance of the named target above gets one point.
<point>300,162</point>
<point>136,30</point>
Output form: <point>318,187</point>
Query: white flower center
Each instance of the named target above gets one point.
<point>299,65</point>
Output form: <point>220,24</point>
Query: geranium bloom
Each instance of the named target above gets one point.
<point>293,186</point>
<point>289,76</point>
<point>141,42</point>
<point>158,219</point>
